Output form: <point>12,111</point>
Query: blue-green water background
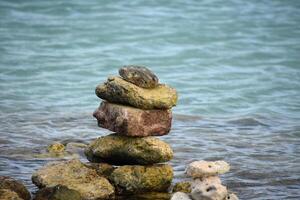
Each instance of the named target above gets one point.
<point>235,64</point>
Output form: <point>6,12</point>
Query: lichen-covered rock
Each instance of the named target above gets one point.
<point>15,186</point>
<point>138,75</point>
<point>76,176</point>
<point>6,194</point>
<point>130,121</point>
<point>122,150</point>
<point>180,196</point>
<point>208,188</point>
<point>117,90</point>
<point>103,169</point>
<point>133,179</point>
<point>231,196</point>
<point>184,186</point>
<point>146,196</point>
<point>56,147</point>
<point>58,192</point>
<point>203,168</point>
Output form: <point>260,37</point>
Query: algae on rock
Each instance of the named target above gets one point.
<point>132,179</point>
<point>117,90</point>
<point>122,150</point>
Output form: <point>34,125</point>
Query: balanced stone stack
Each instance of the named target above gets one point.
<point>130,161</point>
<point>135,107</point>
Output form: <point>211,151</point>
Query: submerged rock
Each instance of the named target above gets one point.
<point>209,188</point>
<point>203,168</point>
<point>14,186</point>
<point>122,150</point>
<point>126,120</point>
<point>117,90</point>
<point>56,147</point>
<point>132,179</point>
<point>6,194</point>
<point>58,192</point>
<point>138,75</point>
<point>76,176</point>
<point>184,186</point>
<point>180,196</point>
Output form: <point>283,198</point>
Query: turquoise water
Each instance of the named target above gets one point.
<point>235,64</point>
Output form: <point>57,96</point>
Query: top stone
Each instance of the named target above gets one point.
<point>138,75</point>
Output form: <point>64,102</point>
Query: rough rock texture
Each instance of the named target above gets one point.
<point>184,186</point>
<point>132,179</point>
<point>117,90</point>
<point>209,188</point>
<point>74,175</point>
<point>147,196</point>
<point>103,169</point>
<point>180,196</point>
<point>138,75</point>
<point>15,186</point>
<point>6,194</point>
<point>56,147</point>
<point>203,168</point>
<point>58,192</point>
<point>122,150</point>
<point>231,196</point>
<point>130,121</point>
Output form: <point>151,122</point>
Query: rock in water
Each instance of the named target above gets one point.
<point>209,188</point>
<point>122,150</point>
<point>15,186</point>
<point>126,120</point>
<point>180,196</point>
<point>117,90</point>
<point>56,147</point>
<point>140,76</point>
<point>76,176</point>
<point>9,195</point>
<point>131,179</point>
<point>203,168</point>
<point>58,192</point>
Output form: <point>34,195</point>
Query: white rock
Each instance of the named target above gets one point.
<point>180,196</point>
<point>203,168</point>
<point>209,188</point>
<point>231,196</point>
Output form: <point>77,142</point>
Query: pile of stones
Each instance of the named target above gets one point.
<point>205,183</point>
<point>129,161</point>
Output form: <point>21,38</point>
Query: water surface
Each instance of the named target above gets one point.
<point>234,63</point>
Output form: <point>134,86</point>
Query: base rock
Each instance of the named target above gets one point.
<point>76,176</point>
<point>133,179</point>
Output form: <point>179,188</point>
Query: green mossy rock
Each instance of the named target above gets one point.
<point>117,90</point>
<point>76,176</point>
<point>58,192</point>
<point>14,186</point>
<point>147,196</point>
<point>134,179</point>
<point>183,186</point>
<point>6,194</point>
<point>123,150</point>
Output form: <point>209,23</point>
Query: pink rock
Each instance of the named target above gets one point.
<point>130,121</point>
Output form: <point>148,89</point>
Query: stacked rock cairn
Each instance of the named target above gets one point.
<point>205,183</point>
<point>136,107</point>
